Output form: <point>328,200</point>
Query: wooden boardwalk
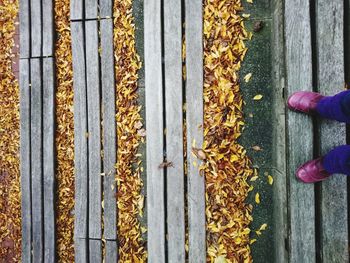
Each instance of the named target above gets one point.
<point>310,222</point>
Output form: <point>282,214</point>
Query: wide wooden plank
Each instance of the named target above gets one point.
<point>36,160</point>
<point>174,125</point>
<point>109,129</point>
<point>26,208</point>
<point>94,129</point>
<point>81,250</point>
<point>106,8</point>
<point>95,251</point>
<point>80,131</point>
<point>154,126</point>
<point>48,25</point>
<point>24,35</point>
<point>76,9</point>
<point>330,51</point>
<point>91,9</point>
<point>111,255</point>
<point>194,119</point>
<point>299,77</point>
<point>35,27</point>
<point>49,159</point>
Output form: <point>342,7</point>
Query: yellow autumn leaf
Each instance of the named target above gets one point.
<point>258,97</point>
<point>248,77</point>
<point>270,179</point>
<point>257,198</point>
<point>250,1</point>
<point>246,15</point>
<point>253,179</point>
<point>263,227</point>
<point>220,259</point>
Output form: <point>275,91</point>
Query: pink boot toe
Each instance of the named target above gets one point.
<point>304,101</point>
<point>312,172</point>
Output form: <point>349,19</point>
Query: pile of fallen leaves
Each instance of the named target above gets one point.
<point>64,134</point>
<point>10,197</point>
<point>227,167</point>
<point>130,133</point>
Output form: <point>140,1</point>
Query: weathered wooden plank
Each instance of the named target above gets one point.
<point>280,204</point>
<point>106,7</point>
<point>36,27</point>
<point>154,126</point>
<point>81,250</point>
<point>109,129</point>
<point>111,252</point>
<point>194,118</point>
<point>48,25</point>
<point>91,11</point>
<point>24,29</point>
<point>94,129</point>
<point>49,159</point>
<point>330,51</point>
<point>80,131</point>
<point>174,125</point>
<point>36,159</point>
<point>299,77</point>
<point>26,208</point>
<point>95,250</point>
<point>76,9</point>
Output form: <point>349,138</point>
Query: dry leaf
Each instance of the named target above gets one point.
<point>258,97</point>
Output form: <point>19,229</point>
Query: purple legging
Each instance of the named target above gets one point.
<point>337,108</point>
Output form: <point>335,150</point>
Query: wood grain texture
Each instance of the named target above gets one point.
<point>48,25</point>
<point>91,11</point>
<point>37,160</point>
<point>109,129</point>
<point>194,118</point>
<point>76,9</point>
<point>95,251</point>
<point>25,163</point>
<point>106,8</point>
<point>94,129</point>
<point>80,132</point>
<point>81,250</point>
<point>280,190</point>
<point>24,35</point>
<point>111,252</point>
<point>36,28</point>
<point>154,126</point>
<point>330,52</point>
<point>174,125</point>
<point>49,159</point>
<point>299,77</point>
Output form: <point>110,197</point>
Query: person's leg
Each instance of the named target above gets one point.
<point>335,107</point>
<point>337,161</point>
<point>345,103</point>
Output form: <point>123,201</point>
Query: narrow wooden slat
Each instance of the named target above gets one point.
<point>280,204</point>
<point>49,159</point>
<point>194,118</point>
<point>95,251</point>
<point>299,77</point>
<point>80,131</point>
<point>36,160</point>
<point>174,126</point>
<point>154,126</point>
<point>109,129</point>
<point>47,28</point>
<point>36,27</point>
<point>106,8</point>
<point>94,129</point>
<point>81,250</point>
<point>26,208</point>
<point>330,51</point>
<point>111,252</point>
<point>24,29</point>
<point>76,9</point>
<point>91,9</point>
